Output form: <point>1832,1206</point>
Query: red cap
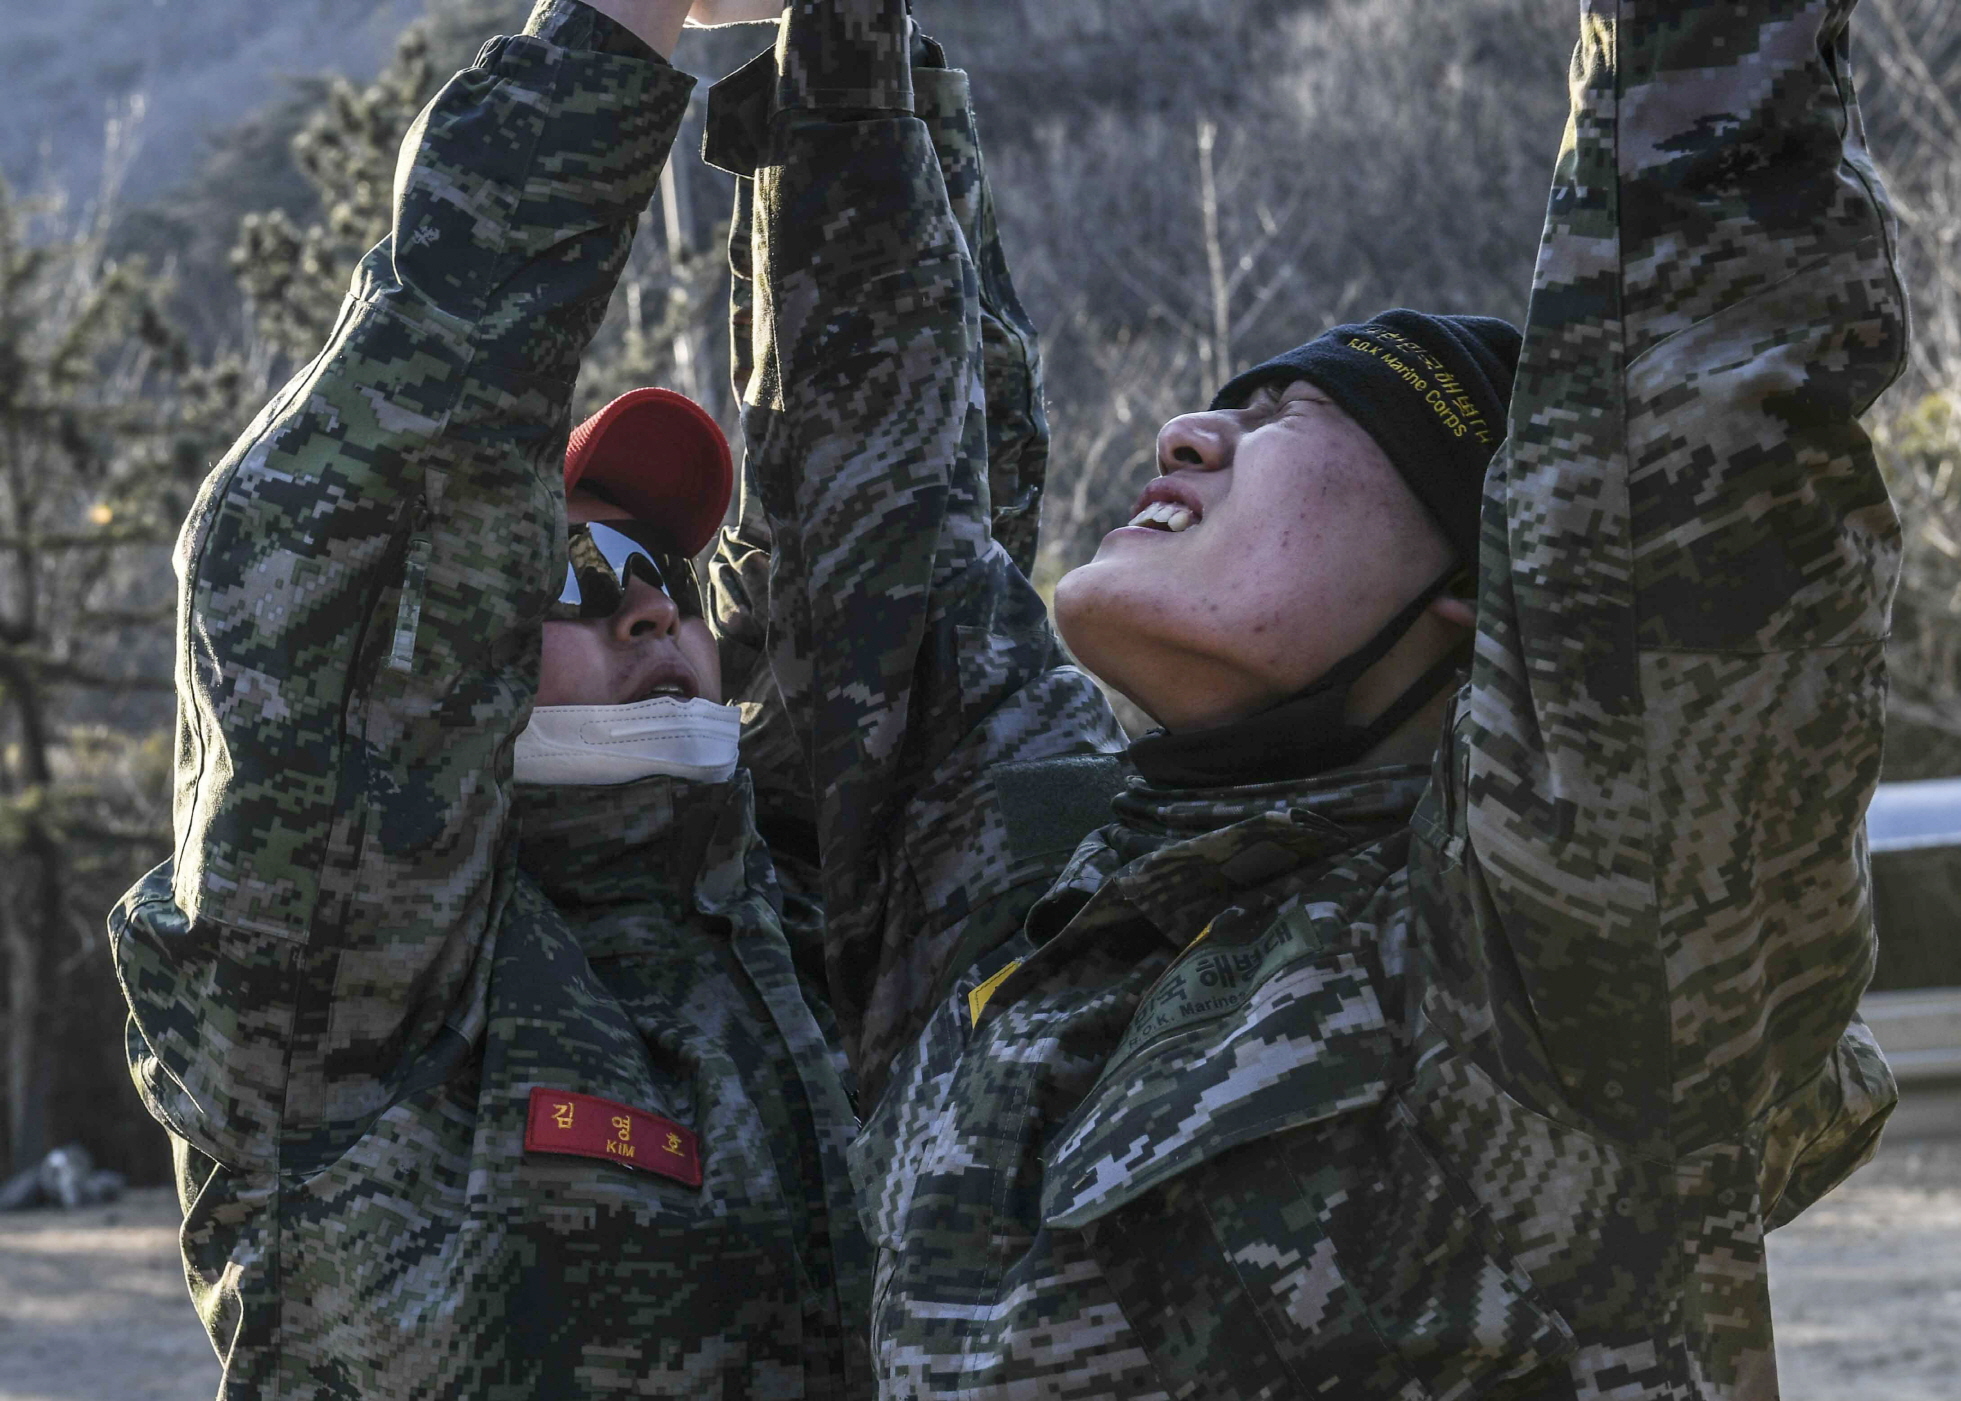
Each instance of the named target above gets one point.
<point>661,456</point>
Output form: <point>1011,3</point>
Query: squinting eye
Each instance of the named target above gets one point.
<point>1273,403</point>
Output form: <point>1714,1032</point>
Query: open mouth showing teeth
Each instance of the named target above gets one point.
<point>1165,515</point>
<point>670,690</point>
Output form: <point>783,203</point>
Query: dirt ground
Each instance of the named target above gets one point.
<point>92,1306</point>
<point>1866,1288</point>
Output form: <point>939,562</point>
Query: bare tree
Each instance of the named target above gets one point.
<point>104,427</point>
<point>1165,249</point>
<point>1914,47</point>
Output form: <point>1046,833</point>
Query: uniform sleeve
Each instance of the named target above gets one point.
<point>911,658</point>
<point>1655,911</point>
<point>363,580</point>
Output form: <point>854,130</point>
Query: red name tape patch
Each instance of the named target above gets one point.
<point>585,1127</point>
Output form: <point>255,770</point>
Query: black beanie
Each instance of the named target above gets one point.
<point>1431,390</point>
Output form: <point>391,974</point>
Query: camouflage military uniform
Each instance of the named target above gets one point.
<point>871,598</point>
<point>1484,1080</point>
<point>476,1091</point>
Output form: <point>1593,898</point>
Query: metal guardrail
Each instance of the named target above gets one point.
<point>1920,1031</point>
<point>1919,1028</point>
<point>1914,816</point>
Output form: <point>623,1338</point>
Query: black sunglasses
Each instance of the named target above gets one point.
<point>602,557</point>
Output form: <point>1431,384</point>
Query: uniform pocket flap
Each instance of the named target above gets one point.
<point>1232,1049</point>
<point>1050,805</point>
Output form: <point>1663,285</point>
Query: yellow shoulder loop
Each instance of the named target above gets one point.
<point>978,998</point>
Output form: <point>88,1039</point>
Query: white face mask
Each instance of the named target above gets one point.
<point>593,745</point>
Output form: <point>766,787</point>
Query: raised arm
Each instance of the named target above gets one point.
<point>911,657</point>
<point>364,578</point>
<point>1645,844</point>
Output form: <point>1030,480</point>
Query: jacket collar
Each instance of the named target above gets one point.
<point>1179,855</point>
<point>662,839</point>
<point>1363,802</point>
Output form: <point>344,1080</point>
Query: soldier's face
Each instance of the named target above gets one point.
<point>1277,540</point>
<point>645,649</point>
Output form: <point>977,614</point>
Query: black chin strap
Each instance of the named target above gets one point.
<point>1305,735</point>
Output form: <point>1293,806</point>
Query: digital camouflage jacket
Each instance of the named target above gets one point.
<point>926,760</point>
<point>476,1092</point>
<point>1479,1081</point>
